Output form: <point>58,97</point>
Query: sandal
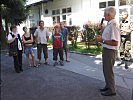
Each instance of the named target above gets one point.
<point>29,66</point>
<point>36,66</point>
<point>39,64</point>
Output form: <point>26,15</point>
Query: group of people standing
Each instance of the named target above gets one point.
<point>111,39</point>
<point>59,41</point>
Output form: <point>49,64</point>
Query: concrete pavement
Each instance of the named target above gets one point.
<point>78,80</point>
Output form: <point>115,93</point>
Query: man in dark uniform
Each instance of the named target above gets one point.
<point>126,29</point>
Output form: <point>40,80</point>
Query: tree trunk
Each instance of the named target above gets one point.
<point>6,26</point>
<point>0,23</point>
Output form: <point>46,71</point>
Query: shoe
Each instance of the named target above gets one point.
<point>67,61</point>
<point>35,66</point>
<point>46,63</point>
<point>126,66</point>
<point>55,64</point>
<point>39,63</point>
<point>107,93</point>
<point>103,90</point>
<point>29,66</point>
<point>21,70</point>
<point>120,63</point>
<point>17,71</point>
<point>61,63</point>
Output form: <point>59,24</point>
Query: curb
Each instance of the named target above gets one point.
<point>89,54</point>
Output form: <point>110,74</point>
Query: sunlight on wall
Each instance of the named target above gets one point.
<point>48,21</point>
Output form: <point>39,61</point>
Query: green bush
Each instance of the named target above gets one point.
<point>89,33</point>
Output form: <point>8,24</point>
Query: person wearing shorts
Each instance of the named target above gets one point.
<point>28,46</point>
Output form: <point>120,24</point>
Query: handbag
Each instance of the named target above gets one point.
<point>13,48</point>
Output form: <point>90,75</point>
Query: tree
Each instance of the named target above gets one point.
<point>13,12</point>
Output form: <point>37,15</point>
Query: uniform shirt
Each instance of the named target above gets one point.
<point>57,40</point>
<point>125,26</point>
<point>41,35</point>
<point>64,32</point>
<point>19,43</point>
<point>111,32</point>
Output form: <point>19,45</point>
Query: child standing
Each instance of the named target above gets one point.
<point>57,40</point>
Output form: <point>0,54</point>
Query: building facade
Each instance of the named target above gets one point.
<point>74,12</point>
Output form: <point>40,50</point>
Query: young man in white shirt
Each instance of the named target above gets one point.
<point>110,41</point>
<point>42,37</point>
<point>14,36</point>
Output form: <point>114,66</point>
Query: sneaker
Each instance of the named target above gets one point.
<point>39,63</point>
<point>67,61</point>
<point>108,93</point>
<point>46,63</point>
<point>126,65</point>
<point>61,63</point>
<point>56,63</point>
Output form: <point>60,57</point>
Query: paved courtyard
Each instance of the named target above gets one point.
<point>78,80</point>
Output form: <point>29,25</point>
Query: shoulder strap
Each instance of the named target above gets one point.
<point>12,34</point>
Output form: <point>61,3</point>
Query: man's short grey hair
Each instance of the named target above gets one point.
<point>111,11</point>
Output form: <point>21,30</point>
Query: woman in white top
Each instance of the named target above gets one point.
<point>15,37</point>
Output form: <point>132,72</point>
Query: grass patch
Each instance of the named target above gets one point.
<point>81,47</point>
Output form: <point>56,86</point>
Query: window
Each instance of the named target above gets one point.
<point>111,3</point>
<point>53,12</point>
<point>58,19</point>
<point>70,21</point>
<point>58,11</point>
<point>102,5</point>
<point>64,10</point>
<point>122,2</point>
<point>53,18</point>
<point>69,10</point>
<point>64,17</point>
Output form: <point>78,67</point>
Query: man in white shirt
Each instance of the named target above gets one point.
<point>42,37</point>
<point>14,36</point>
<point>110,41</point>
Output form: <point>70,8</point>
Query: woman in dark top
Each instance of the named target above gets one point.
<point>28,46</point>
